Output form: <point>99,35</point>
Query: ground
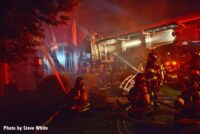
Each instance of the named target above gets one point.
<point>108,115</point>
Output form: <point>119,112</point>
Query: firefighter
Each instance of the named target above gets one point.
<point>140,98</point>
<point>196,98</point>
<point>195,80</point>
<point>188,103</point>
<point>78,96</point>
<point>153,75</point>
<point>162,72</point>
<point>195,66</point>
<point>184,102</point>
<point>101,75</point>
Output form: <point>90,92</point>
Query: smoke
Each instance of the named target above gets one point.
<point>112,17</point>
<point>126,62</point>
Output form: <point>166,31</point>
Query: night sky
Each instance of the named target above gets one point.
<point>111,17</point>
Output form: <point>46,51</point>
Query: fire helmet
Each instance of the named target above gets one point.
<point>152,56</point>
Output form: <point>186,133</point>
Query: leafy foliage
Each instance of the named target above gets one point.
<point>21,24</point>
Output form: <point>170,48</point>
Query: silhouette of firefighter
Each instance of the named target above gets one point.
<point>183,103</point>
<point>140,98</point>
<point>79,97</point>
<point>195,66</point>
<point>195,80</point>
<point>188,103</point>
<point>153,75</point>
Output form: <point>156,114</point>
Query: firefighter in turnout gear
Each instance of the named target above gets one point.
<point>153,75</point>
<point>78,96</point>
<point>140,98</point>
<point>188,103</point>
<point>196,98</point>
<point>195,80</point>
<point>195,66</point>
<point>183,103</point>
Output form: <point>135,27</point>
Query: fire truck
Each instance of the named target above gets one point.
<point>132,48</point>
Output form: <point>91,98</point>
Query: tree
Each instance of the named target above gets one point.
<point>21,24</point>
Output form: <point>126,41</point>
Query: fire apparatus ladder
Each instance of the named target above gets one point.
<point>127,84</point>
